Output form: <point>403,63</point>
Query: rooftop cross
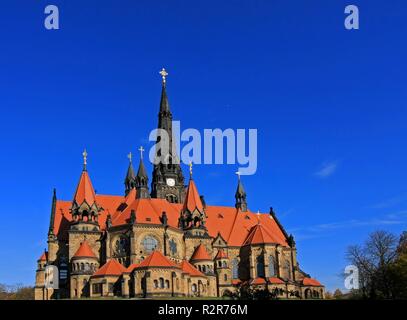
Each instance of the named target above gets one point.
<point>238,174</point>
<point>141,149</point>
<point>190,169</point>
<point>85,159</point>
<point>130,156</point>
<point>163,74</point>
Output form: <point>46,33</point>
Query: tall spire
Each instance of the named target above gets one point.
<point>85,159</point>
<point>240,195</point>
<point>168,180</point>
<point>142,178</point>
<point>130,180</point>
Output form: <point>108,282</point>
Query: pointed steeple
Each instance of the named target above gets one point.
<point>164,105</point>
<point>142,179</point>
<point>130,180</point>
<point>168,180</point>
<point>53,209</point>
<point>84,206</point>
<point>240,195</point>
<point>193,212</point>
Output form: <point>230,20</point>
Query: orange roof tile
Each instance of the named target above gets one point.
<point>192,198</point>
<point>200,253</point>
<point>110,268</point>
<point>311,282</point>
<point>258,234</point>
<point>190,269</point>
<point>44,256</point>
<point>235,282</point>
<point>84,251</point>
<point>276,280</point>
<point>156,259</point>
<point>221,255</point>
<point>84,190</point>
<point>132,267</point>
<point>258,281</point>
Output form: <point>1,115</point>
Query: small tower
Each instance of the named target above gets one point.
<point>202,261</point>
<point>142,179</point>
<point>40,291</point>
<point>85,215</point>
<point>240,195</point>
<point>222,268</point>
<point>83,264</point>
<point>85,210</point>
<point>130,180</point>
<point>193,217</point>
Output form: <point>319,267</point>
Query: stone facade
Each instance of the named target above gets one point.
<point>166,243</point>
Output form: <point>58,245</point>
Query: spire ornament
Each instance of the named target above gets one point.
<point>141,149</point>
<point>85,159</point>
<point>190,169</point>
<point>164,75</point>
<point>130,156</point>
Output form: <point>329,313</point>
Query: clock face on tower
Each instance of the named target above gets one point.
<point>170,182</point>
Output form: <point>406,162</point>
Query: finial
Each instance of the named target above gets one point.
<point>238,174</point>
<point>141,149</point>
<point>163,74</point>
<point>190,169</point>
<point>130,156</point>
<point>85,159</point>
<point>258,216</point>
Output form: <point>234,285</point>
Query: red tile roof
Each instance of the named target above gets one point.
<point>192,199</point>
<point>259,234</point>
<point>236,282</point>
<point>132,267</point>
<point>44,256</point>
<point>84,251</point>
<point>110,268</point>
<point>233,225</point>
<point>258,281</point>
<point>221,255</point>
<point>311,282</point>
<point>84,190</point>
<point>275,280</point>
<point>190,269</point>
<point>200,253</point>
<point>156,259</point>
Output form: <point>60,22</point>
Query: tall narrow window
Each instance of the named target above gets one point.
<point>272,266</point>
<point>235,268</point>
<point>260,266</point>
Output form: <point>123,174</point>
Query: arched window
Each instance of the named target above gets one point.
<point>161,283</point>
<point>194,288</point>
<point>224,264</point>
<point>203,268</point>
<point>235,268</point>
<point>149,244</point>
<point>82,266</point>
<point>260,266</point>
<point>155,284</point>
<point>219,264</point>
<point>272,266</point>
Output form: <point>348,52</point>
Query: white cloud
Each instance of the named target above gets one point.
<point>327,169</point>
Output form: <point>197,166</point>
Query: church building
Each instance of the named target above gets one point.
<point>164,240</point>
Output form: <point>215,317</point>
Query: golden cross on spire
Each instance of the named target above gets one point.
<point>163,74</point>
<point>190,169</point>
<point>85,159</point>
<point>130,156</point>
<point>141,149</point>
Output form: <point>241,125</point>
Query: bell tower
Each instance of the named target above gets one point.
<point>168,180</point>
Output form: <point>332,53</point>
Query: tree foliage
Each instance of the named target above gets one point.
<point>382,266</point>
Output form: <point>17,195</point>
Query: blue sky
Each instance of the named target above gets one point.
<point>329,105</point>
